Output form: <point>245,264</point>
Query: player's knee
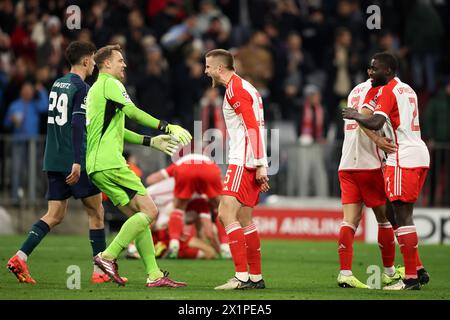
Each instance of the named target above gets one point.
<point>151,212</point>
<point>96,217</point>
<point>53,219</point>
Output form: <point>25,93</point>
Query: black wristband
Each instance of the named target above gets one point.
<point>163,125</point>
<point>147,140</point>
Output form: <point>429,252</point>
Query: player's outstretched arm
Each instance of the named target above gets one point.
<point>115,91</point>
<point>162,142</point>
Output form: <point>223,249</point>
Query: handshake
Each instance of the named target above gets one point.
<point>168,142</point>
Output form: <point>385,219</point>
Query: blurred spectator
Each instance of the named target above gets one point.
<point>211,112</point>
<point>299,63</point>
<point>50,52</point>
<point>209,12</point>
<point>215,36</point>
<point>136,32</point>
<point>315,32</point>
<point>437,131</point>
<point>21,41</point>
<point>287,15</point>
<point>95,22</point>
<point>387,41</point>
<point>153,89</point>
<point>180,33</point>
<point>423,35</point>
<point>254,62</point>
<point>306,167</point>
<point>23,119</point>
<point>190,84</point>
<point>339,67</point>
<point>7,19</point>
<point>163,16</point>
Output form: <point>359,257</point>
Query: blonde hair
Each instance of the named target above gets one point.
<point>225,56</point>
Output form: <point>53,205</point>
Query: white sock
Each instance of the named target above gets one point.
<point>243,276</point>
<point>22,255</point>
<point>347,273</point>
<point>255,277</point>
<point>174,244</point>
<point>390,271</point>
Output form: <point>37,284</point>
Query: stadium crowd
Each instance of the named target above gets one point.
<point>303,56</point>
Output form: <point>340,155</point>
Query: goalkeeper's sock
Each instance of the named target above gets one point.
<point>253,249</point>
<point>176,224</point>
<point>408,242</point>
<point>238,248</point>
<point>98,241</point>
<point>129,231</point>
<point>386,243</point>
<point>38,231</point>
<point>146,249</point>
<point>345,242</point>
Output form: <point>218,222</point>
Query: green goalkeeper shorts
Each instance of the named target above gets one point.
<point>119,184</point>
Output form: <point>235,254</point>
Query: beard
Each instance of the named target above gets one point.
<point>378,82</point>
<point>213,82</point>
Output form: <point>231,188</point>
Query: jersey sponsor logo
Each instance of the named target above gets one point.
<point>62,85</point>
<point>236,105</point>
<point>126,96</point>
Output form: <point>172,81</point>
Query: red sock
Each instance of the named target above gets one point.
<point>345,249</point>
<point>419,264</point>
<point>386,243</point>
<point>223,238</point>
<point>176,224</point>
<point>407,239</point>
<point>237,246</point>
<point>253,249</point>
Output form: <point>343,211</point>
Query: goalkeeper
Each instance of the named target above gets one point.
<point>107,105</point>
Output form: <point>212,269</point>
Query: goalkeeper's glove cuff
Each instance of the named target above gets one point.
<point>163,125</point>
<point>147,141</point>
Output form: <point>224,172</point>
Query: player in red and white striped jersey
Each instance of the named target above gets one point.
<point>247,171</point>
<point>406,169</point>
<point>194,174</point>
<point>198,217</point>
<point>361,180</point>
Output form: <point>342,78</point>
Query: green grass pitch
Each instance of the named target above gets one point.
<point>293,270</point>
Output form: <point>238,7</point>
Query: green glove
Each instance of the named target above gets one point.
<point>164,143</point>
<point>176,131</point>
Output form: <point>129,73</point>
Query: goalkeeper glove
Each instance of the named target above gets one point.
<point>178,132</point>
<point>164,143</point>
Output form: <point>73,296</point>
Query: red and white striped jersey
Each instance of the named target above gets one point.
<point>397,101</point>
<point>192,158</point>
<point>244,118</point>
<point>358,151</point>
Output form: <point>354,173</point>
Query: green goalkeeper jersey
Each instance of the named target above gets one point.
<point>107,104</point>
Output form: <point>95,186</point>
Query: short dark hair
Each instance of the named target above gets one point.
<point>76,50</point>
<point>226,57</point>
<point>105,52</point>
<point>388,59</point>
